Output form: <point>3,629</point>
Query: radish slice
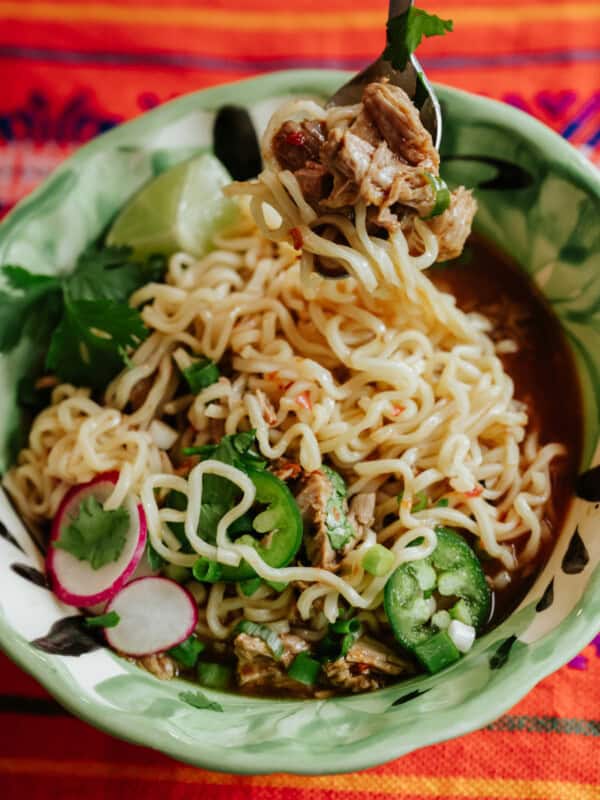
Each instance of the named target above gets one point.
<point>74,581</point>
<point>155,615</point>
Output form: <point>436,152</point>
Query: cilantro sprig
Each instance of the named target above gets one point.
<point>95,535</point>
<point>84,315</point>
<point>219,495</point>
<point>405,33</point>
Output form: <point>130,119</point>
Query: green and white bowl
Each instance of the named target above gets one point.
<point>548,220</point>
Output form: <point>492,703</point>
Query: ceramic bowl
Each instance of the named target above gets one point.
<point>539,201</point>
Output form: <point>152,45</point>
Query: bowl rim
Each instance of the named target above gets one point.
<point>381,748</point>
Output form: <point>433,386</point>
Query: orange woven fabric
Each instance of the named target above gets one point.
<point>70,69</point>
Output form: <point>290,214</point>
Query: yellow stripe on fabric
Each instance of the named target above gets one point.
<point>390,785</point>
<point>280,20</point>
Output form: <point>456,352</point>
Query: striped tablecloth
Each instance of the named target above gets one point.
<point>70,69</point>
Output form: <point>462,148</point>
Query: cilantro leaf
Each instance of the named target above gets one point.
<point>404,34</point>
<point>218,494</point>
<point>108,273</point>
<point>32,295</point>
<point>22,280</point>
<point>87,346</point>
<point>200,374</point>
<point>200,700</point>
<point>54,309</point>
<point>95,535</point>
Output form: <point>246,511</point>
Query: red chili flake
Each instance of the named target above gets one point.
<point>397,410</point>
<point>303,399</point>
<point>475,492</point>
<point>296,238</point>
<point>282,385</point>
<point>296,138</point>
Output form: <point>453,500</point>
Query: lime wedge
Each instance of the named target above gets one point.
<point>182,209</point>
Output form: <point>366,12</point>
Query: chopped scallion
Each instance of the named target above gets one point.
<point>263,632</point>
<point>442,195</point>
<point>346,626</point>
<point>437,652</point>
<point>419,502</point>
<point>213,675</point>
<point>250,586</point>
<point>304,669</point>
<point>187,652</point>
<point>378,560</point>
<point>207,571</point>
<point>109,620</point>
<point>277,587</point>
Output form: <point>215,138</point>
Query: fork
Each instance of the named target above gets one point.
<point>412,79</point>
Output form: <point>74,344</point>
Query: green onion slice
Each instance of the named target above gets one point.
<point>442,195</point>
<point>419,502</point>
<point>207,571</point>
<point>304,669</point>
<point>346,626</point>
<point>277,587</point>
<point>263,632</point>
<point>109,620</point>
<point>378,560</point>
<point>250,586</point>
<point>213,675</point>
<point>187,652</point>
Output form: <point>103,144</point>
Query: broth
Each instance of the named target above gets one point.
<point>485,280</point>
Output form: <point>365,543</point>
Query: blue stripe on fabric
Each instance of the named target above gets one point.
<point>228,63</point>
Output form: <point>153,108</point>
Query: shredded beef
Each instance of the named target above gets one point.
<point>381,158</point>
<point>257,668</point>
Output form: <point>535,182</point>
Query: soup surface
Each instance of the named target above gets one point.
<point>485,280</point>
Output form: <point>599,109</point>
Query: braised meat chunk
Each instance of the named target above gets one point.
<point>383,157</point>
<point>366,666</point>
<point>328,531</point>
<point>258,669</point>
<point>297,143</point>
<point>454,225</point>
<point>398,122</point>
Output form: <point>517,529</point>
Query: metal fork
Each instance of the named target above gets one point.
<point>412,79</point>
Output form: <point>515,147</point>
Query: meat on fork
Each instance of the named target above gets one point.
<point>385,158</point>
<point>297,143</point>
<point>398,121</point>
<point>454,225</point>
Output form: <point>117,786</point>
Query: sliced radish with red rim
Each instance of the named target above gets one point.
<point>73,580</point>
<point>155,614</point>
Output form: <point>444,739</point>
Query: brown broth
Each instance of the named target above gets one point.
<point>485,280</point>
